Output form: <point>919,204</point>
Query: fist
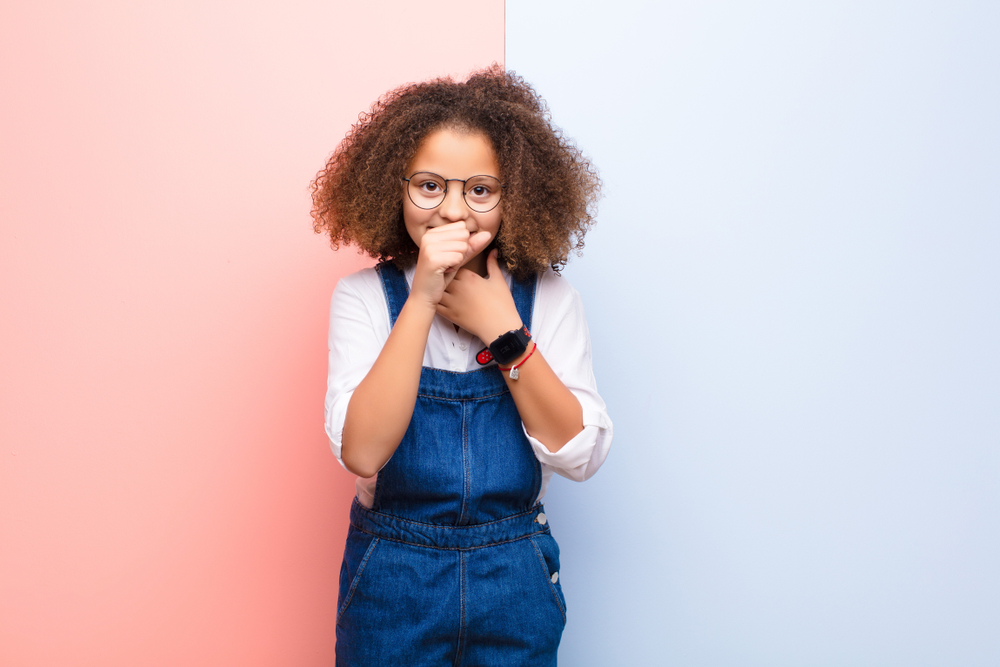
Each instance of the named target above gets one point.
<point>443,250</point>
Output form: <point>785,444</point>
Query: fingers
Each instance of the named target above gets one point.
<point>450,278</point>
<point>478,243</point>
<point>451,233</point>
<point>483,306</point>
<point>446,246</point>
<point>492,266</point>
<point>452,245</point>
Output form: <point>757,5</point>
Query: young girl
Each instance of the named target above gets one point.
<point>460,371</point>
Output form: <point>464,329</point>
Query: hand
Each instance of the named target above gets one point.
<point>483,306</point>
<point>443,251</point>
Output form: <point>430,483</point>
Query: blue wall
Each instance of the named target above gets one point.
<point>794,295</point>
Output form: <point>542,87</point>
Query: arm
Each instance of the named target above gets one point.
<point>484,306</point>
<point>549,411</point>
<point>380,409</point>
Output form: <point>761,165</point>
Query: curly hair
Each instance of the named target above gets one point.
<point>550,191</point>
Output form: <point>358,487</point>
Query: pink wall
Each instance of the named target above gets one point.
<point>167,494</point>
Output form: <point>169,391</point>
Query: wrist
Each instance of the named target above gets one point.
<point>515,365</point>
<point>419,307</point>
<point>510,345</point>
<point>497,329</point>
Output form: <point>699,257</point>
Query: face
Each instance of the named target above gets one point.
<point>452,154</point>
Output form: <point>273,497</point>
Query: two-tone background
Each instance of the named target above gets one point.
<point>793,292</point>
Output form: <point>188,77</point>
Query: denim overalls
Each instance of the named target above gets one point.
<point>454,563</point>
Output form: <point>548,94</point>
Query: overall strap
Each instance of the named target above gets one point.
<point>396,291</point>
<point>395,288</point>
<point>523,292</point>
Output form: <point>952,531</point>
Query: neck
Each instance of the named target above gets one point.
<point>477,264</point>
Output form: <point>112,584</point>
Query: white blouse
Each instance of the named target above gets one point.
<point>359,327</point>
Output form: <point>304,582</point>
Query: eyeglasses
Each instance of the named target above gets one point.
<point>427,191</point>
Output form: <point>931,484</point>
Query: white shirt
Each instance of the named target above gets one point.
<point>359,327</point>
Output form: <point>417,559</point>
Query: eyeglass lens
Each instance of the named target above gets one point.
<point>427,190</point>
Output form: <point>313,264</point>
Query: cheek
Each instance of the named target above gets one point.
<point>495,223</point>
<point>414,219</point>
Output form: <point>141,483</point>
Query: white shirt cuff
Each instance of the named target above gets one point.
<point>335,417</point>
<point>579,458</point>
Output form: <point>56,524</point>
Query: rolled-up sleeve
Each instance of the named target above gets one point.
<point>564,339</point>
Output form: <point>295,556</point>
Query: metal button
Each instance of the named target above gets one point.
<point>541,518</point>
<point>555,577</point>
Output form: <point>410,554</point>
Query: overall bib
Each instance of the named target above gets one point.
<point>454,563</point>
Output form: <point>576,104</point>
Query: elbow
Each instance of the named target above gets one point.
<point>363,460</point>
<point>564,437</point>
<point>365,449</point>
<point>360,465</point>
<point>356,457</point>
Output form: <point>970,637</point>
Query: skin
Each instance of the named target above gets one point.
<point>457,280</point>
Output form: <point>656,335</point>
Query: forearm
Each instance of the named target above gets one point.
<point>550,412</point>
<point>380,409</point>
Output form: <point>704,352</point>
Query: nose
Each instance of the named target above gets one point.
<point>453,207</point>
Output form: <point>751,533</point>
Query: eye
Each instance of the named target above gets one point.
<point>482,188</point>
<point>427,184</point>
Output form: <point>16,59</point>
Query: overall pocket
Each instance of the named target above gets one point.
<point>357,552</point>
<point>548,563</point>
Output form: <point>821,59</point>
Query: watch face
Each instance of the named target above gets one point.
<point>506,344</point>
<point>507,347</point>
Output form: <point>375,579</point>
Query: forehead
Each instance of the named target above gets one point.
<point>455,154</point>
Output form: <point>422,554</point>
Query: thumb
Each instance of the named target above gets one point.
<point>477,242</point>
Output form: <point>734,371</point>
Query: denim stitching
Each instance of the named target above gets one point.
<point>543,531</point>
<point>548,578</point>
<point>452,400</point>
<point>534,508</point>
<point>538,479</point>
<point>461,609</point>
<point>444,371</point>
<point>357,577</point>
<point>466,482</point>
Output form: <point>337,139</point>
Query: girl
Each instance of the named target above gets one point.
<point>460,371</point>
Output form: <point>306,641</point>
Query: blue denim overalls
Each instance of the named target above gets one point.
<point>454,564</point>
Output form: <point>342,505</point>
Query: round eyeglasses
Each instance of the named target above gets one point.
<point>427,191</point>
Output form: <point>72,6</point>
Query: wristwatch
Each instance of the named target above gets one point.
<point>511,345</point>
